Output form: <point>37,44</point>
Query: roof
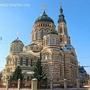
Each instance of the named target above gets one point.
<point>17,41</point>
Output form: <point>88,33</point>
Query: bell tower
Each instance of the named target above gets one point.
<point>62,29</point>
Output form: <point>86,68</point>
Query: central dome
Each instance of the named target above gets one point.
<point>44,17</point>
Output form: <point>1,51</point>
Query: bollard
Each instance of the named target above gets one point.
<point>34,84</point>
<point>18,84</point>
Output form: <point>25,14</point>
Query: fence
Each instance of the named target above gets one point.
<point>47,89</point>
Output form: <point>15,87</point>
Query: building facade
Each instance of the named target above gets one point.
<point>58,56</point>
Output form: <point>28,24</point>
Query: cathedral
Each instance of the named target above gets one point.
<point>58,56</point>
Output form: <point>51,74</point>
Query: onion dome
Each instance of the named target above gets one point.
<point>16,46</point>
<point>44,18</point>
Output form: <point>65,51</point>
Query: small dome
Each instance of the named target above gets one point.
<point>17,41</point>
<point>44,17</point>
<point>16,46</point>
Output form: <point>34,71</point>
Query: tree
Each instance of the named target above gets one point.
<point>17,74</point>
<point>38,72</point>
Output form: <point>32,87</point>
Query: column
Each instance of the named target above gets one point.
<point>7,85</point>
<point>78,84</point>
<point>34,84</point>
<point>65,84</point>
<point>18,84</point>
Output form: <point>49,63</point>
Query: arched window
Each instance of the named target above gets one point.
<point>36,35</point>
<point>21,61</point>
<point>46,56</point>
<point>26,61</point>
<point>15,61</point>
<point>31,62</point>
<point>52,41</point>
<point>61,30</point>
<point>50,56</point>
<point>61,40</point>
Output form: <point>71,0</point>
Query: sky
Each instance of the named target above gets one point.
<point>18,16</point>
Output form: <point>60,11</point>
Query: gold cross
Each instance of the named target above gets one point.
<point>60,3</point>
<point>18,34</point>
<point>44,6</point>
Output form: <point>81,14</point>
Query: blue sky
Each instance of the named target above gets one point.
<point>19,16</point>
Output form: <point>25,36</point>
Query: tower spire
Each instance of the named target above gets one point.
<point>61,16</point>
<point>62,28</point>
<point>61,10</point>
